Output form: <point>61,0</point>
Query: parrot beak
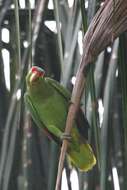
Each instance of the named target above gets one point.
<point>34,77</point>
<point>35,73</point>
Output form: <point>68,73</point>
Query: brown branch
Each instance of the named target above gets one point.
<point>109,22</point>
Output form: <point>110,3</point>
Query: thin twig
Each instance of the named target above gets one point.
<point>105,26</point>
<point>59,36</point>
<point>38,16</point>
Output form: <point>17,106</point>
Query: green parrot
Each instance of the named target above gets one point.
<point>48,103</point>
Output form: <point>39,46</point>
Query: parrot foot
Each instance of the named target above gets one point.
<point>66,136</point>
<point>71,102</point>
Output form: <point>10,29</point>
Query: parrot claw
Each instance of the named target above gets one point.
<point>70,102</point>
<point>66,136</point>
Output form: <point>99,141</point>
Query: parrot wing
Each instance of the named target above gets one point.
<point>81,121</point>
<point>63,91</point>
<point>37,120</point>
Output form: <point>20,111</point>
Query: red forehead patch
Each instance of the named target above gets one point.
<point>39,72</point>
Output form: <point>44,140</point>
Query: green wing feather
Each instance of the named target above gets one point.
<point>62,90</point>
<point>82,123</point>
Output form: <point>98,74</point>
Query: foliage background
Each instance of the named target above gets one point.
<point>28,160</point>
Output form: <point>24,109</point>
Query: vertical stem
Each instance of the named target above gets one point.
<point>17,33</point>
<point>56,10</point>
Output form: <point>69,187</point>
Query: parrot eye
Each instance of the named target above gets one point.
<point>40,72</point>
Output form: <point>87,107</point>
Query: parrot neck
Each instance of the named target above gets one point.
<point>41,89</point>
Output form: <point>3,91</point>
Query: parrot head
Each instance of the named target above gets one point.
<point>34,75</point>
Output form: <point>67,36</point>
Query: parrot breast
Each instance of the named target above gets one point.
<point>50,106</point>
